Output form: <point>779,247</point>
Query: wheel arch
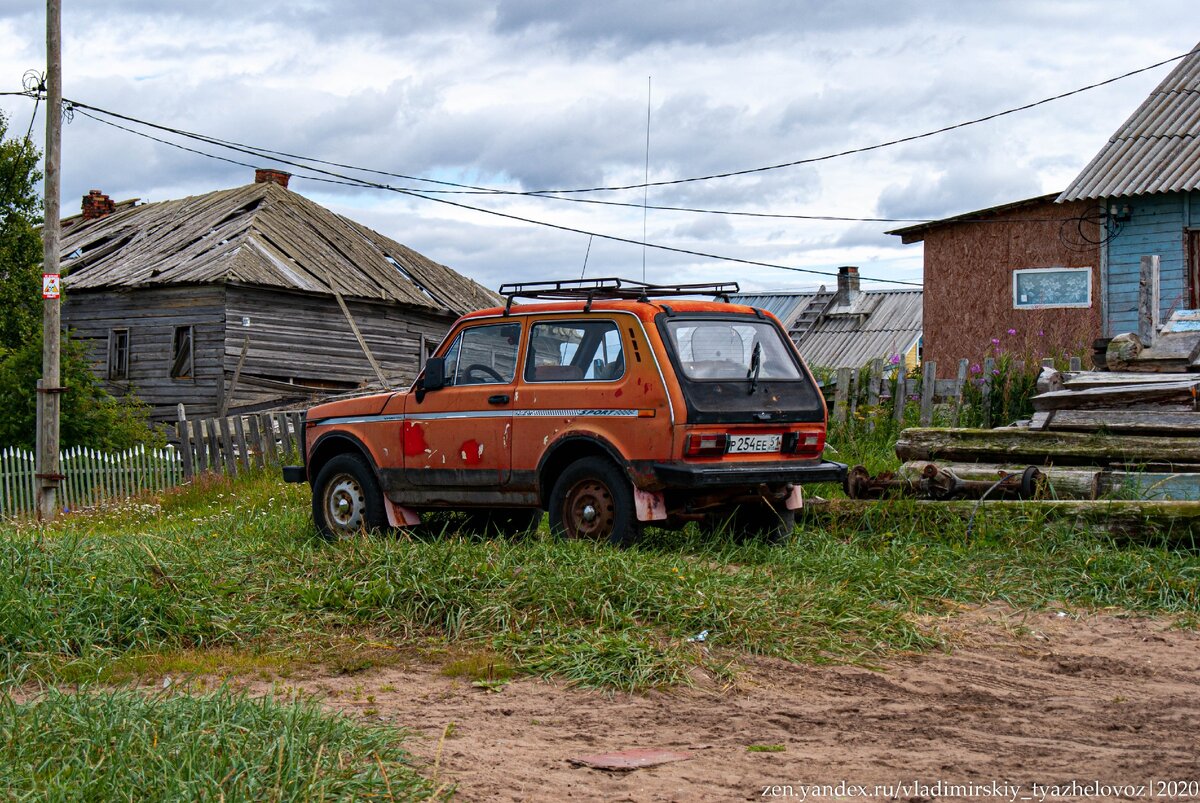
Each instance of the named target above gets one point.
<point>566,451</point>
<point>332,444</point>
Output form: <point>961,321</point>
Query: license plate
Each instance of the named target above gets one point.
<point>742,444</point>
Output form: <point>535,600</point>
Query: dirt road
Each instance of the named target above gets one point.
<point>1052,699</point>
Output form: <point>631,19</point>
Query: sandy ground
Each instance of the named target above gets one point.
<point>1048,698</point>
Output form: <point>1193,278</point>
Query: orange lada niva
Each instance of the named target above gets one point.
<point>607,403</point>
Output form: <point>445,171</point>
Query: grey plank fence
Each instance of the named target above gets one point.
<point>876,387</point>
<point>89,476</point>
<point>232,445</point>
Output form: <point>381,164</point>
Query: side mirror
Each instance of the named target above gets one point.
<point>435,374</point>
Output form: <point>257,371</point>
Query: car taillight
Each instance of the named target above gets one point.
<point>700,445</point>
<point>794,442</point>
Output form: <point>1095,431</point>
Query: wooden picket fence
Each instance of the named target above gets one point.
<point>873,386</point>
<point>233,444</point>
<point>89,476</point>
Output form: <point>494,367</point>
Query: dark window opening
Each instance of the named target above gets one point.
<point>181,363</point>
<point>118,354</point>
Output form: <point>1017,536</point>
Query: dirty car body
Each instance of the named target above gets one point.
<point>603,403</point>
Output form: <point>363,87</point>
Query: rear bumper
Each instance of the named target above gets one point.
<point>675,475</point>
<point>294,474</point>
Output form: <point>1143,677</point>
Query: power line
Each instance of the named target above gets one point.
<point>331,177</point>
<point>475,190</point>
<point>877,146</point>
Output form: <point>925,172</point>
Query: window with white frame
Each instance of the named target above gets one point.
<point>1043,288</point>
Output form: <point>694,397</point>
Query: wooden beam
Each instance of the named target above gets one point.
<point>1038,448</point>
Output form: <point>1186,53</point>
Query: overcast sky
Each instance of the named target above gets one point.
<point>533,94</point>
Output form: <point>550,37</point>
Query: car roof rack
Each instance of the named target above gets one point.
<point>610,288</point>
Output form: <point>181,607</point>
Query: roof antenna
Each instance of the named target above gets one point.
<point>585,256</point>
<point>646,183</point>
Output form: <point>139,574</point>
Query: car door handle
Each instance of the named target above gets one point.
<point>499,398</point>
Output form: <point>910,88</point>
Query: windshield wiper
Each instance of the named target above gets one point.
<point>755,365</point>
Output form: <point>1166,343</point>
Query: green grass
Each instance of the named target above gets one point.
<point>123,745</point>
<point>232,578</point>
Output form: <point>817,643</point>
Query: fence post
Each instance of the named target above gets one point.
<point>297,419</point>
<point>873,381</point>
<point>841,396</point>
<point>285,433</point>
<point>1076,364</point>
<point>255,441</point>
<point>928,385</point>
<point>267,433</point>
<point>855,389</point>
<point>898,395</point>
<point>227,446</point>
<point>185,439</point>
<point>239,433</point>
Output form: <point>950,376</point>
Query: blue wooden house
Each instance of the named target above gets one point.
<point>1146,184</point>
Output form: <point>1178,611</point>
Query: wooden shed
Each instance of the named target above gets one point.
<point>249,297</point>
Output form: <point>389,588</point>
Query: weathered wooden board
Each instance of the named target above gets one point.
<point>1113,396</point>
<point>1040,448</point>
<point>1185,423</point>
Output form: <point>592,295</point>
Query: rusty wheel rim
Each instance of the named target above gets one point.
<point>345,503</point>
<point>590,510</point>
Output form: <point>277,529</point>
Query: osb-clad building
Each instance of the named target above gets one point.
<point>249,297</point>
<point>1027,274</point>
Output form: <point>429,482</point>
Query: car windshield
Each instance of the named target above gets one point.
<point>724,349</point>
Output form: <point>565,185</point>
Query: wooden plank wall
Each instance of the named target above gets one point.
<point>151,315</point>
<point>305,339</point>
<point>1156,226</point>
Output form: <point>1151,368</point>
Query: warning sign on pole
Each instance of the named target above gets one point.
<point>51,285</point>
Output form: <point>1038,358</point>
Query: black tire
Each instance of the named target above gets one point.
<point>592,500</point>
<point>504,521</point>
<point>774,525</point>
<point>346,498</point>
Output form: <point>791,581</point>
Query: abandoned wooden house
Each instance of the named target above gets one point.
<point>848,327</point>
<point>245,298</point>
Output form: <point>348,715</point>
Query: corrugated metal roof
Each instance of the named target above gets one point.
<point>1157,149</point>
<point>877,323</point>
<point>784,306</point>
<point>260,234</point>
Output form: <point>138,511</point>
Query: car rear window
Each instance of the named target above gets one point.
<point>723,349</point>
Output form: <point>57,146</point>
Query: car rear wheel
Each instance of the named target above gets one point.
<point>592,500</point>
<point>774,525</point>
<point>346,498</point>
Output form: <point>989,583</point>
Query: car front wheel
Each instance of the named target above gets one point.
<point>347,499</point>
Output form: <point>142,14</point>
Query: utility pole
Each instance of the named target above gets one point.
<point>49,392</point>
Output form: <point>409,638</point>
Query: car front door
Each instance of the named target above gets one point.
<point>460,436</point>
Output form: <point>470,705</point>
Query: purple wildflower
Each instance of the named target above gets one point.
<point>894,359</point>
<point>995,341</point>
<point>1012,331</point>
<point>975,368</point>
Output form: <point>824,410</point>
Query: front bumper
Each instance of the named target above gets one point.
<point>294,474</point>
<point>716,475</point>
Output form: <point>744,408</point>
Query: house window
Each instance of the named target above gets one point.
<point>1042,288</point>
<point>181,361</point>
<point>118,354</point>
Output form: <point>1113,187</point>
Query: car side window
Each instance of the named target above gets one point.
<point>484,355</point>
<point>574,351</point>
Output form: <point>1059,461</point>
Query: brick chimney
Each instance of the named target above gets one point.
<point>96,205</point>
<point>268,175</point>
<point>847,287</point>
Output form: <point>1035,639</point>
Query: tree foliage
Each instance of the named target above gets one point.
<point>90,416</point>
